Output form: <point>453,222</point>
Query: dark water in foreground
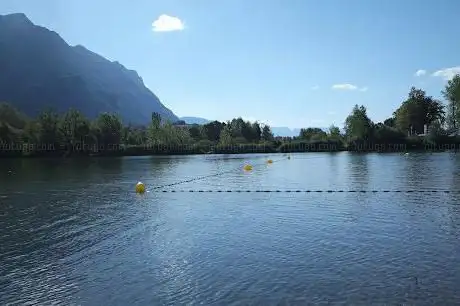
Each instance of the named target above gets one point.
<point>73,232</point>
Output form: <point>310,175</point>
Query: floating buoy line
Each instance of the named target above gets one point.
<point>302,191</point>
<point>140,187</point>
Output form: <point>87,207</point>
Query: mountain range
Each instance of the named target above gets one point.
<point>39,70</point>
<point>195,120</point>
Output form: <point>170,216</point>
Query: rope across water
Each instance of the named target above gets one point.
<point>305,191</point>
<point>161,188</point>
<point>208,176</point>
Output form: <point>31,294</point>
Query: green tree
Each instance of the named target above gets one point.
<point>417,110</point>
<point>256,132</point>
<point>30,133</point>
<point>312,134</point>
<point>390,122</point>
<point>74,128</point>
<point>108,130</point>
<point>383,133</point>
<point>49,134</point>
<point>7,138</point>
<point>436,132</point>
<point>5,134</point>
<point>156,120</point>
<point>334,133</point>
<point>155,133</point>
<point>451,93</point>
<point>125,134</point>
<point>139,136</point>
<point>247,131</point>
<point>213,129</point>
<point>195,132</point>
<point>238,127</point>
<point>174,136</point>
<point>267,134</point>
<point>226,135</point>
<point>11,116</point>
<point>358,126</point>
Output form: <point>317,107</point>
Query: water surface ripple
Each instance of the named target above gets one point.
<point>73,232</point>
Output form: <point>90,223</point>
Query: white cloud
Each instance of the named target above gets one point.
<point>447,73</point>
<point>420,72</point>
<point>166,23</point>
<point>316,87</point>
<point>348,87</point>
<point>344,87</point>
<point>331,113</point>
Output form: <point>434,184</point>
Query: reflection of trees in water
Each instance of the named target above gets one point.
<point>453,209</point>
<point>163,164</point>
<point>335,171</point>
<point>44,169</point>
<point>431,172</point>
<point>151,168</point>
<point>357,178</point>
<point>420,172</point>
<point>108,163</point>
<point>333,156</point>
<point>358,170</point>
<point>455,178</point>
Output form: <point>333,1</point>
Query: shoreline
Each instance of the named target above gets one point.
<point>127,152</point>
<point>82,149</point>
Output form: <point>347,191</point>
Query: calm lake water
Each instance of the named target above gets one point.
<point>73,232</point>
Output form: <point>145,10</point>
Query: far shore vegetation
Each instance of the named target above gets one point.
<point>420,123</point>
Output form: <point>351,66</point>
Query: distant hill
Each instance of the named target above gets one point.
<point>277,131</point>
<point>285,131</point>
<point>38,69</point>
<point>194,120</point>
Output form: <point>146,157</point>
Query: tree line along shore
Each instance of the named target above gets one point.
<point>420,123</point>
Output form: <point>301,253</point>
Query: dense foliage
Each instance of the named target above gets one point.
<point>72,133</point>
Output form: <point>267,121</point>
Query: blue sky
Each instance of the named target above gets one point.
<point>275,61</point>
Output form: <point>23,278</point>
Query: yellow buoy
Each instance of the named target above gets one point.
<point>270,161</point>
<point>140,187</point>
<point>247,167</point>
